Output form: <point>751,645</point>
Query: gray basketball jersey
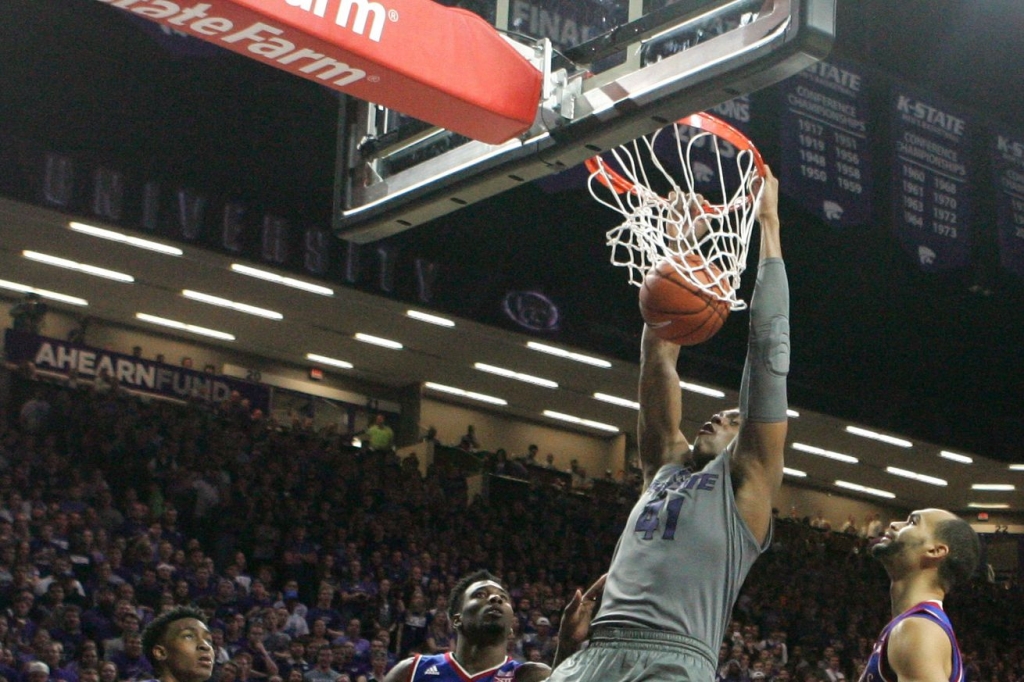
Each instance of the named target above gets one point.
<point>682,557</point>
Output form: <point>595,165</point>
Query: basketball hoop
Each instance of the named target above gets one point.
<point>709,158</point>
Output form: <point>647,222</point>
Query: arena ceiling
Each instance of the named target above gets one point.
<point>934,359</point>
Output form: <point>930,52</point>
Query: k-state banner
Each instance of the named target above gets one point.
<point>825,153</point>
<point>136,374</point>
<point>931,196</point>
<point>1008,168</point>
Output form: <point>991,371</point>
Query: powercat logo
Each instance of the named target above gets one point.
<point>358,11</point>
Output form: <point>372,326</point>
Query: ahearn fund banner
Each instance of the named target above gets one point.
<point>136,374</point>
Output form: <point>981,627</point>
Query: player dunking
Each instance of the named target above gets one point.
<point>925,556</point>
<point>481,614</point>
<point>705,514</point>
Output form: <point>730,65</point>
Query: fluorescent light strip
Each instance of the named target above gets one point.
<point>792,414</point>
<point>77,267</point>
<point>465,394</point>
<point>963,459</point>
<point>195,329</point>
<point>569,355</point>
<point>125,239</point>
<point>518,376</point>
<point>52,295</point>
<point>891,440</point>
<point>583,422</point>
<point>615,400</point>
<point>906,473</point>
<point>431,319</point>
<point>284,281</point>
<point>225,303</point>
<point>993,486</point>
<point>703,390</point>
<point>1017,467</point>
<point>794,472</point>
<point>864,489</point>
<point>821,452</point>
<point>329,361</point>
<point>988,505</point>
<point>378,341</point>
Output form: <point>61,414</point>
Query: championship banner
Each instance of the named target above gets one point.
<point>1008,170</point>
<point>825,153</point>
<point>136,374</point>
<point>931,202</point>
<point>442,65</point>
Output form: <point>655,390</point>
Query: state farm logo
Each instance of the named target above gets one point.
<point>352,14</point>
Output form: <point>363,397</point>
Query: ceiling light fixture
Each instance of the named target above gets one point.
<point>923,478</point>
<point>334,362</point>
<point>874,435</point>
<point>518,376</point>
<point>77,267</point>
<point>792,414</point>
<point>703,390</point>
<point>430,319</point>
<point>121,238</point>
<point>465,394</point>
<point>582,422</point>
<point>988,505</point>
<point>821,452</point>
<point>569,355</point>
<point>195,329</point>
<point>864,489</point>
<point>616,400</point>
<point>963,459</point>
<point>44,293</point>
<point>794,472</point>
<point>1016,467</point>
<point>278,279</point>
<point>378,341</point>
<point>225,303</point>
<point>993,486</point>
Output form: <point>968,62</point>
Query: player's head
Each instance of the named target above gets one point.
<point>479,608</point>
<point>930,539</point>
<point>178,644</point>
<point>715,435</point>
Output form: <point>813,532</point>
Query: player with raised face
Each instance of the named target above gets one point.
<point>180,646</point>
<point>481,614</point>
<point>705,514</point>
<point>925,556</point>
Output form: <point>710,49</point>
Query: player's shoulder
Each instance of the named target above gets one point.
<point>532,672</point>
<point>402,672</point>
<point>915,640</point>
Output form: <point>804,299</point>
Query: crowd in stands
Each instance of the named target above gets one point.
<point>318,562</point>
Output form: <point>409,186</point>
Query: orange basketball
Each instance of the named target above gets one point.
<point>676,309</point>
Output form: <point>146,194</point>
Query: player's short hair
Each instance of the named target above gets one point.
<point>455,598</point>
<point>964,550</point>
<point>155,631</point>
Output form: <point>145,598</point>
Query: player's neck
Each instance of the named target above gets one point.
<point>913,589</point>
<point>475,657</point>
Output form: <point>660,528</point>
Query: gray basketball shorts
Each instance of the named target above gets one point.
<point>635,655</point>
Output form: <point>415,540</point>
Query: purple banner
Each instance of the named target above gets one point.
<point>136,374</point>
<point>1008,167</point>
<point>825,162</point>
<point>931,203</point>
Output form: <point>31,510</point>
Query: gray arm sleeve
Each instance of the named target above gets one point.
<point>763,389</point>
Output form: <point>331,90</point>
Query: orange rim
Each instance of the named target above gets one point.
<point>706,122</point>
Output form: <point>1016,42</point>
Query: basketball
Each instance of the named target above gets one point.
<point>676,309</point>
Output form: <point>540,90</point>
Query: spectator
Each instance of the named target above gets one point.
<point>379,436</point>
<point>469,441</point>
<point>322,671</point>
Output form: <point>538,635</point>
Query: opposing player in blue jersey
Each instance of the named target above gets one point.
<point>481,614</point>
<point>925,556</point>
<point>705,514</point>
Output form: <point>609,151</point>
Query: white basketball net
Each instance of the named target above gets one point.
<point>659,229</point>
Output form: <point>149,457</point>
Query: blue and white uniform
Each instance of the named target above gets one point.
<point>878,669</point>
<point>444,668</point>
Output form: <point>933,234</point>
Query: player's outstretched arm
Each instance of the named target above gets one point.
<point>661,406</point>
<point>919,651</point>
<point>758,457</point>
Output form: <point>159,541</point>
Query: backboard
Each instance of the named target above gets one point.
<point>613,70</point>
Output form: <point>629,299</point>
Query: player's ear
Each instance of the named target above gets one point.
<point>938,550</point>
<point>159,652</point>
<point>456,621</point>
